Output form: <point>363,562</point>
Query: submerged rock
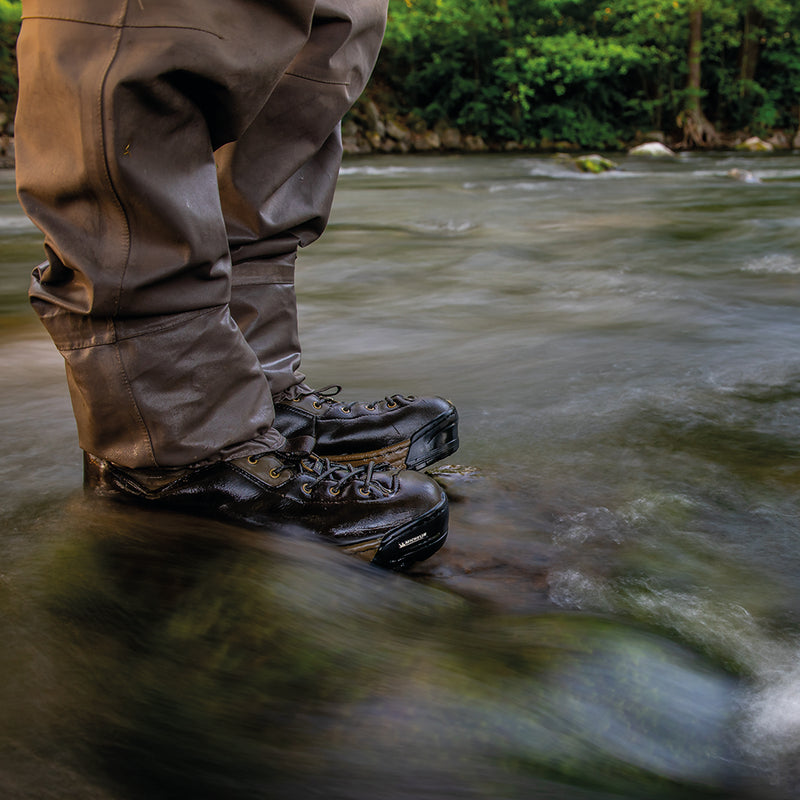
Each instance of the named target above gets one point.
<point>594,163</point>
<point>743,175</point>
<point>652,149</point>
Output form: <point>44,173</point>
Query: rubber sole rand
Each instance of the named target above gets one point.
<point>404,546</point>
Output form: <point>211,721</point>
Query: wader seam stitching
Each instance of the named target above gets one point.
<point>316,80</point>
<point>261,282</point>
<point>127,243</point>
<point>122,25</point>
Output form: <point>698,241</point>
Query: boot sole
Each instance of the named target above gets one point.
<point>435,441</point>
<point>404,546</point>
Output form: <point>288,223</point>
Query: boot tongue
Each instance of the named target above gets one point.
<point>299,446</point>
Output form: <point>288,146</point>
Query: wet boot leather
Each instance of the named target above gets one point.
<point>406,432</point>
<point>390,518</point>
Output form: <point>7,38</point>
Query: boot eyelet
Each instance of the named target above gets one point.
<point>391,404</point>
<point>370,406</point>
<point>317,405</point>
<point>346,410</point>
<point>274,473</point>
<point>363,492</point>
<point>306,488</point>
<point>334,491</point>
<point>252,459</point>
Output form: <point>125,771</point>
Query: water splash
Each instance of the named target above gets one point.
<point>774,264</point>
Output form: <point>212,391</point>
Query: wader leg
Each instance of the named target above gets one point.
<point>122,104</point>
<point>277,181</point>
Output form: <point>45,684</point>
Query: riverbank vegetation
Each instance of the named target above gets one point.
<point>9,28</point>
<point>595,73</point>
<point>545,74</point>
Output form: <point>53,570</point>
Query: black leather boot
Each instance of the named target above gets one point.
<point>392,518</point>
<point>406,432</point>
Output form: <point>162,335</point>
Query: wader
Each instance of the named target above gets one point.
<point>175,153</point>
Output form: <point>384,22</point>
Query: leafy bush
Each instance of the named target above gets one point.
<point>10,11</point>
<point>587,71</point>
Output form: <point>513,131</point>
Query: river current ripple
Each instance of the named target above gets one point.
<point>616,612</point>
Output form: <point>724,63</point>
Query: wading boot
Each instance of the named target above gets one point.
<point>405,432</point>
<point>389,517</point>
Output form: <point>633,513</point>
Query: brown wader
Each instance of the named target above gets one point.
<point>175,153</point>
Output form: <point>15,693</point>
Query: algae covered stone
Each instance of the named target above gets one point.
<point>594,163</point>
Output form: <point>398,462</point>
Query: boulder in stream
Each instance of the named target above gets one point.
<point>594,163</point>
<point>652,150</point>
<point>755,145</point>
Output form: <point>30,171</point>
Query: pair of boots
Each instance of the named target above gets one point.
<point>346,473</point>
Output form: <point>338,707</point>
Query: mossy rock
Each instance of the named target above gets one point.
<point>594,163</point>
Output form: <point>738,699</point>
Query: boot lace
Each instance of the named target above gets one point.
<point>319,471</point>
<point>337,476</point>
<point>326,394</point>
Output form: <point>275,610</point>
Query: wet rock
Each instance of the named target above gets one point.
<point>652,150</point>
<point>355,145</point>
<point>594,163</point>
<point>375,139</point>
<point>743,175</point>
<point>755,145</point>
<point>6,152</point>
<point>375,123</point>
<point>474,144</point>
<point>451,138</point>
<point>779,140</point>
<point>396,131</point>
<point>425,141</point>
<point>349,128</point>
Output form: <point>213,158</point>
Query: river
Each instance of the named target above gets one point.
<point>616,612</point>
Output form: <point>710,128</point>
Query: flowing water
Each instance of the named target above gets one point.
<point>617,610</point>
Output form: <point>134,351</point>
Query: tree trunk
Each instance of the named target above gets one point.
<point>749,52</point>
<point>697,130</point>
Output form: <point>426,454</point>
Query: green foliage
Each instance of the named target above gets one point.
<point>10,11</point>
<point>590,72</point>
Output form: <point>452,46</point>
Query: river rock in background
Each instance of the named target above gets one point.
<point>743,175</point>
<point>594,163</point>
<point>449,137</point>
<point>652,149</point>
<point>6,152</point>
<point>475,144</point>
<point>426,141</point>
<point>755,145</point>
<point>780,141</point>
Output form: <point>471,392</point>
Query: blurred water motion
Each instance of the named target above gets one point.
<point>615,613</point>
<point>165,657</point>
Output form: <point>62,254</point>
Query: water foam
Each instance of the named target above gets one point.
<point>774,263</point>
